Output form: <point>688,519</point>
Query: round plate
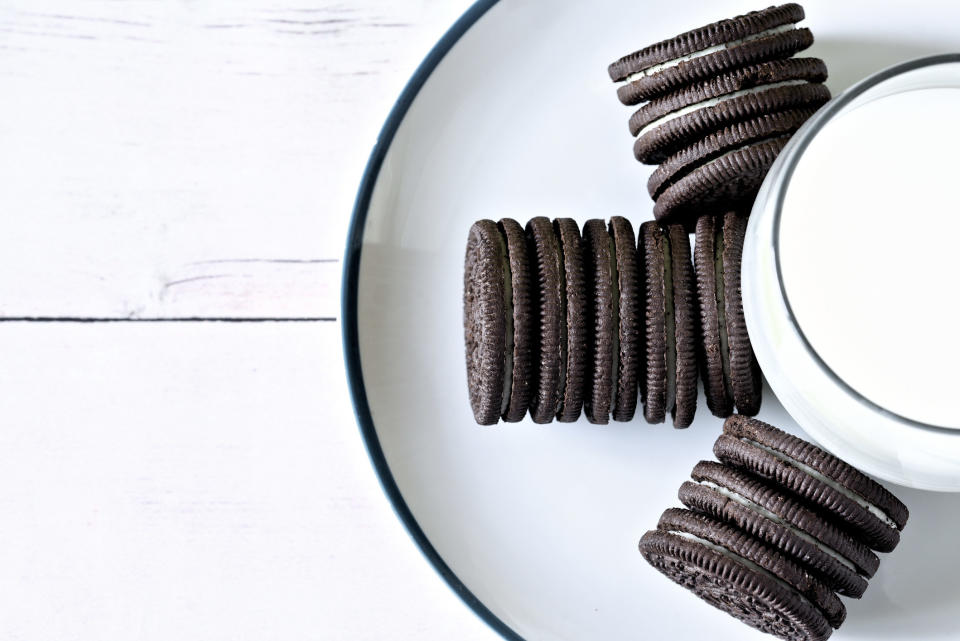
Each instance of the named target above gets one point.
<point>536,527</point>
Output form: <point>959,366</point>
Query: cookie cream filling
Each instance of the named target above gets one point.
<point>615,302</point>
<point>508,327</point>
<point>670,327</point>
<point>859,500</point>
<point>716,100</point>
<point>649,71</point>
<point>759,509</point>
<point>742,561</point>
<point>564,345</point>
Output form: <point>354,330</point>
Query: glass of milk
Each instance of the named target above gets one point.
<point>851,275</point>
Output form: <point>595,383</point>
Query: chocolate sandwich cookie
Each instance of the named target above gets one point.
<point>730,138</point>
<point>741,576</point>
<point>600,266</point>
<point>754,37</point>
<point>670,382</point>
<point>731,375</point>
<point>749,550</point>
<point>863,506</point>
<point>753,79</point>
<point>763,511</point>
<point>574,332</point>
<point>628,297</point>
<point>498,321</point>
<point>660,138</point>
<point>745,376</point>
<point>732,180</point>
<point>547,272</point>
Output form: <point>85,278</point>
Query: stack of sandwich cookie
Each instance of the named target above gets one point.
<point>774,532</point>
<point>765,512</point>
<point>845,494</point>
<point>720,103</point>
<point>556,322</point>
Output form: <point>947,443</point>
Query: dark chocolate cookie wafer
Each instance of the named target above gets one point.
<point>768,514</point>
<point>714,346</point>
<point>861,505</point>
<point>547,272</point>
<point>761,35</point>
<point>498,321</point>
<point>574,332</point>
<point>732,180</point>
<point>671,366</point>
<point>485,308</point>
<point>729,138</point>
<point>600,265</point>
<point>629,301</point>
<point>685,323</point>
<point>736,586</point>
<point>523,321</point>
<point>745,377</point>
<point>653,386</point>
<point>668,137</point>
<point>736,82</point>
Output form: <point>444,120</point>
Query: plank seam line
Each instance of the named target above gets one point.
<point>172,319</point>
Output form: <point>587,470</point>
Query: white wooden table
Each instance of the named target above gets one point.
<point>178,454</point>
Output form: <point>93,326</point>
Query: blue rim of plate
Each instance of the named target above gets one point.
<point>351,345</point>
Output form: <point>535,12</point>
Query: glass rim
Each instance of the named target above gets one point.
<point>792,155</point>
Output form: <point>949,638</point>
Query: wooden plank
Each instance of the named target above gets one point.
<point>198,481</point>
<point>194,480</point>
<point>163,160</point>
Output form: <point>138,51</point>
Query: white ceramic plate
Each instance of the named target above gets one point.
<point>537,526</point>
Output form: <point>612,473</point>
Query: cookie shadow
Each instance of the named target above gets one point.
<point>851,60</point>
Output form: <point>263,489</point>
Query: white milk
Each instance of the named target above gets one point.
<point>870,251</point>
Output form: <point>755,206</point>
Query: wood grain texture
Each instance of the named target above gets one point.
<point>195,480</point>
<point>191,159</point>
<point>198,481</point>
